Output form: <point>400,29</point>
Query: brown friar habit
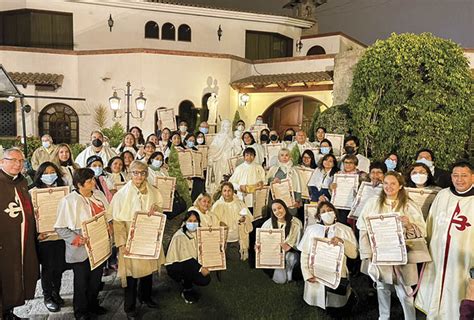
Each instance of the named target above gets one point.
<point>19,269</point>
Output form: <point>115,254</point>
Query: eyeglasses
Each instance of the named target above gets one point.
<point>19,161</point>
<point>139,173</point>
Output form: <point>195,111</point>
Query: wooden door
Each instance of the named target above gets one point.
<point>284,114</point>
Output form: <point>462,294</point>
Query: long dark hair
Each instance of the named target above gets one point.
<point>288,216</point>
<point>140,139</point>
<point>37,179</point>
<point>109,164</point>
<point>411,184</point>
<point>321,204</point>
<point>310,153</point>
<point>186,217</point>
<point>251,136</point>
<point>334,169</point>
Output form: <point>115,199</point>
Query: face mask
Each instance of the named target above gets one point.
<point>192,226</point>
<point>45,144</point>
<point>190,144</point>
<point>204,130</point>
<point>183,128</point>
<point>349,150</point>
<point>97,171</point>
<point>240,128</point>
<point>325,150</point>
<point>49,179</point>
<point>97,143</point>
<point>288,138</point>
<point>264,138</point>
<point>419,178</point>
<point>156,163</point>
<point>428,163</point>
<point>328,217</point>
<point>258,121</point>
<point>391,165</point>
<point>273,137</point>
<point>200,140</point>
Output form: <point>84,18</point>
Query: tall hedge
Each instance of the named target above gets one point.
<point>412,91</point>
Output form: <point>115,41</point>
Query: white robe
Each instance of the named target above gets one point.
<point>105,153</point>
<point>182,247</point>
<point>450,228</point>
<point>259,152</point>
<point>207,219</point>
<point>302,147</point>
<point>247,174</point>
<point>314,292</point>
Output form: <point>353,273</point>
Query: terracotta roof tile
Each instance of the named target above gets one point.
<point>36,78</point>
<point>284,78</point>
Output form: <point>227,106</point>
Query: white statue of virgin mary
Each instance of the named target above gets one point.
<point>212,103</point>
<point>220,151</point>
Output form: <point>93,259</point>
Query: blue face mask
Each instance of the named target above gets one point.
<point>391,165</point>
<point>97,171</point>
<point>192,226</point>
<point>325,150</point>
<point>156,163</point>
<point>190,144</point>
<point>204,130</point>
<point>48,179</point>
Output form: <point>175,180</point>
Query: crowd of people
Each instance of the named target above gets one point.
<point>120,181</point>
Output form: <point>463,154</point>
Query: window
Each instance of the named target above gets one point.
<point>61,122</point>
<point>184,33</point>
<point>168,32</point>
<point>152,31</point>
<point>316,50</point>
<point>7,119</point>
<point>36,28</point>
<point>266,45</point>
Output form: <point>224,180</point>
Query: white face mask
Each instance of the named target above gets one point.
<point>240,128</point>
<point>46,144</point>
<point>183,128</point>
<point>259,121</point>
<point>200,140</point>
<point>328,217</point>
<point>419,178</point>
<point>428,163</point>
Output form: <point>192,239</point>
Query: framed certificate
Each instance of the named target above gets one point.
<point>270,254</point>
<point>346,190</point>
<point>283,191</point>
<point>198,168</point>
<point>46,202</point>
<point>256,135</point>
<point>271,153</point>
<point>366,192</point>
<point>304,174</point>
<point>166,186</point>
<point>209,138</point>
<point>386,239</point>
<point>205,151</point>
<point>145,236</point>
<point>167,118</point>
<point>423,198</point>
<point>234,162</point>
<point>98,246</point>
<point>185,158</point>
<point>325,261</point>
<point>337,141</point>
<point>260,200</point>
<point>211,248</point>
<point>310,211</point>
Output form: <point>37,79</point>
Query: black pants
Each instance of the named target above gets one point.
<point>142,286</point>
<point>51,256</point>
<point>188,272</point>
<point>87,284</point>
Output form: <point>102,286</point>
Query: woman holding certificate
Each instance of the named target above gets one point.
<point>137,195</point>
<point>51,249</point>
<point>202,206</point>
<point>79,206</point>
<point>248,141</point>
<point>388,273</point>
<point>316,293</point>
<point>63,159</point>
<point>282,219</point>
<point>322,178</point>
<point>117,174</point>
<point>182,258</point>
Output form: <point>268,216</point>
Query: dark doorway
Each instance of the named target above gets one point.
<point>188,112</point>
<point>61,122</point>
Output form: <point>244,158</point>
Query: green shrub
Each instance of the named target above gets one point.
<point>77,148</point>
<point>336,119</point>
<point>174,170</point>
<point>236,119</point>
<point>114,133</point>
<point>412,91</point>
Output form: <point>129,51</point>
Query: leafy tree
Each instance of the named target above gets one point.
<point>174,170</point>
<point>100,116</point>
<point>311,134</point>
<point>295,155</point>
<point>236,119</point>
<point>412,91</point>
<point>336,119</point>
<point>114,133</point>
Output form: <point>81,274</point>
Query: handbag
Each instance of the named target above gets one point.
<point>417,250</point>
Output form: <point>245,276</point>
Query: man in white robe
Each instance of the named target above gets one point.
<point>450,232</point>
<point>96,149</point>
<point>301,142</point>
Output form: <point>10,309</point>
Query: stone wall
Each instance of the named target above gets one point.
<point>344,65</point>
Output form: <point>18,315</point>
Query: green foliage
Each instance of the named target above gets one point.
<point>76,148</point>
<point>311,134</point>
<point>412,91</point>
<point>174,170</point>
<point>32,144</point>
<point>100,116</point>
<point>295,155</point>
<point>114,133</point>
<point>236,119</point>
<point>335,119</point>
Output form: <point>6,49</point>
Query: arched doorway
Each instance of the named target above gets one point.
<point>61,122</point>
<point>291,112</point>
<point>316,50</point>
<point>204,112</point>
<point>188,112</point>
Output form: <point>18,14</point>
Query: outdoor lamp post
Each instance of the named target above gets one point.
<point>140,103</point>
